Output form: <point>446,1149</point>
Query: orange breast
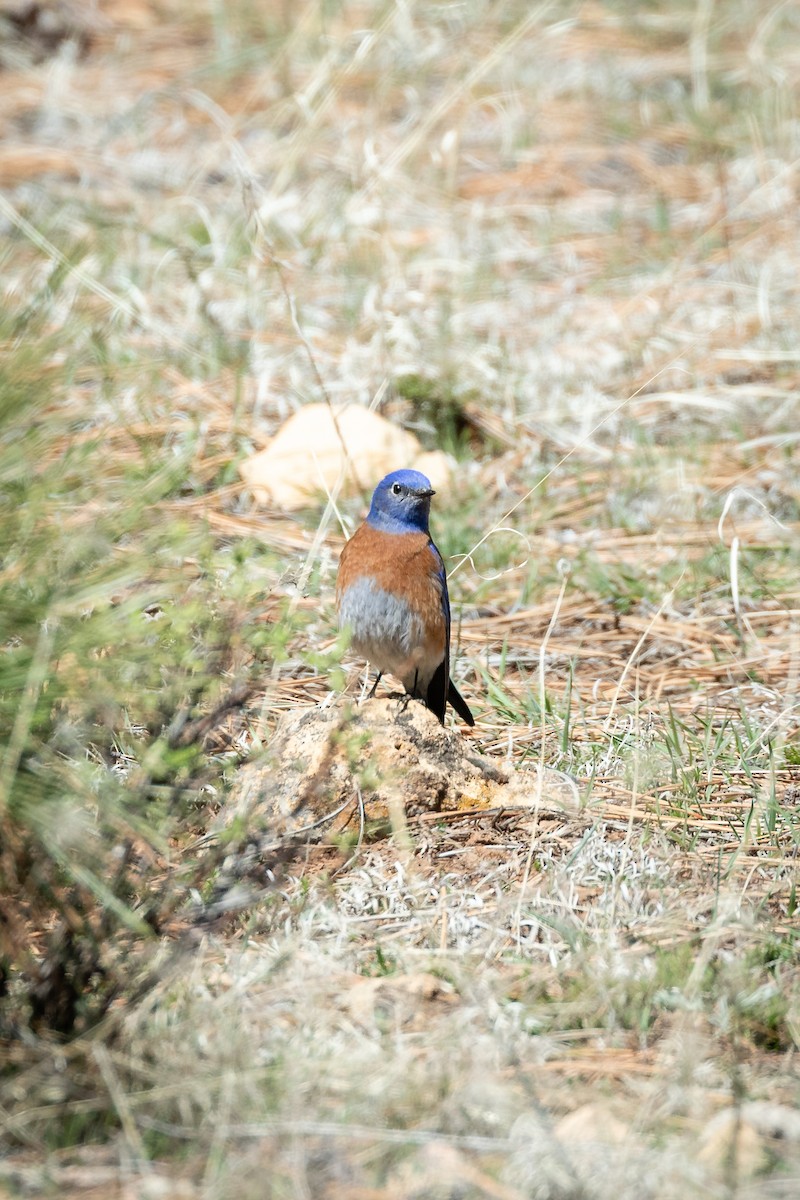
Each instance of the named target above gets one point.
<point>405,566</point>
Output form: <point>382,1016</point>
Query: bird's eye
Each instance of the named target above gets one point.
<point>396,489</point>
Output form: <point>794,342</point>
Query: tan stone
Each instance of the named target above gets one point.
<point>314,455</point>
<point>591,1123</point>
<point>439,1171</point>
<point>405,1001</point>
<point>731,1144</point>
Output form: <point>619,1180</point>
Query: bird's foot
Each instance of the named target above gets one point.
<point>374,687</point>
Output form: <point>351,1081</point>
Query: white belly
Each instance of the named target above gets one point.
<point>386,632</point>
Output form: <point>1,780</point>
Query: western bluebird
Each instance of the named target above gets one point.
<point>391,593</point>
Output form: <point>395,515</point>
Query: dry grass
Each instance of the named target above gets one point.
<point>561,242</point>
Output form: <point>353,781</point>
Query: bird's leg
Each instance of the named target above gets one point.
<point>412,694</point>
<point>373,689</point>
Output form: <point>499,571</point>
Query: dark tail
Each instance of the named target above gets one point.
<point>459,703</point>
<point>436,697</point>
<point>440,690</point>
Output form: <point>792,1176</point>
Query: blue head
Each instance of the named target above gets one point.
<point>401,503</point>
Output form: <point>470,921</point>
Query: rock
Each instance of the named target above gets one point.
<point>590,1123</point>
<point>309,455</point>
<point>439,1171</point>
<point>159,1187</point>
<point>731,1144</point>
<point>436,465</point>
<point>332,772</point>
<point>408,1001</point>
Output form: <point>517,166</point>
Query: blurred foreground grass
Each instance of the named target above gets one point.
<point>122,624</point>
<point>562,244</point>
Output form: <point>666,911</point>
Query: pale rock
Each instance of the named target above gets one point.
<point>730,1143</point>
<point>439,1171</point>
<point>591,1123</point>
<point>436,465</point>
<point>159,1187</point>
<point>407,1001</point>
<point>313,455</point>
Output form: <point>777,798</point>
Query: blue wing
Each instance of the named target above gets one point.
<point>441,688</point>
<point>441,575</point>
<point>436,692</point>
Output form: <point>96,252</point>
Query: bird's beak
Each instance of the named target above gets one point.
<point>426,492</point>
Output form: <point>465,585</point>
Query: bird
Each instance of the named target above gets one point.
<point>391,594</point>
